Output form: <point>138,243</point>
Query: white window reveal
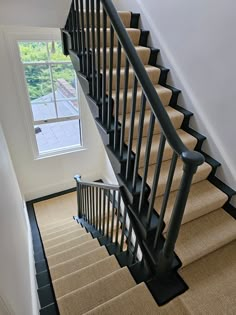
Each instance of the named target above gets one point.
<point>53,94</point>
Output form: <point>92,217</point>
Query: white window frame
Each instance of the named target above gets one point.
<point>43,35</point>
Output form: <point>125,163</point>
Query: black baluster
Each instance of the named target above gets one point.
<point>131,129</point>
<point>82,36</point>
<point>93,49</point>
<point>87,39</point>
<point>98,15</point>
<point>104,68</point>
<point>117,97</point>
<point>109,112</point>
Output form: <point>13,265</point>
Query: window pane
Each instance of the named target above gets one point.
<point>55,51</point>
<point>64,81</point>
<point>58,135</point>
<point>33,51</point>
<point>43,111</point>
<point>67,108</point>
<point>38,82</point>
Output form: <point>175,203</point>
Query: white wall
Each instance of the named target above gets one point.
<point>43,13</point>
<point>41,177</point>
<point>196,39</point>
<point>18,294</point>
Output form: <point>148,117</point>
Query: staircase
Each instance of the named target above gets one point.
<point>170,210</point>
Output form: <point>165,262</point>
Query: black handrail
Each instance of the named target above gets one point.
<point>189,157</point>
<point>77,36</point>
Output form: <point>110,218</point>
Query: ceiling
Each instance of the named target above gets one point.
<point>40,13</point>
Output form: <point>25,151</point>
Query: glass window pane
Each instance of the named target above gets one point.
<point>33,51</point>
<point>67,108</point>
<point>55,51</point>
<point>64,81</point>
<point>43,111</point>
<point>38,82</point>
<point>58,135</point>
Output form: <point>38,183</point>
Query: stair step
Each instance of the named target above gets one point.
<point>132,301</point>
<point>203,198</point>
<point>72,252</point>
<point>125,17</point>
<point>143,52</point>
<point>55,224</point>
<point>175,116</point>
<point>68,229</point>
<point>68,244</point>
<point>134,35</point>
<point>64,237</point>
<point>153,73</point>
<point>187,139</point>
<point>58,228</point>
<point>79,262</point>
<point>79,279</point>
<point>164,94</point>
<point>83,300</point>
<point>204,235</point>
<point>212,282</point>
<point>202,173</point>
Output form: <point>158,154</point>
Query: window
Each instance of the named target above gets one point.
<point>53,94</point>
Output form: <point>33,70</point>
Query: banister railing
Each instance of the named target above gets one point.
<point>91,25</point>
<point>101,206</point>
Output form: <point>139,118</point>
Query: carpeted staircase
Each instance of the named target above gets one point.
<point>87,280</point>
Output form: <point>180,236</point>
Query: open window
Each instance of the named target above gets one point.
<point>53,96</point>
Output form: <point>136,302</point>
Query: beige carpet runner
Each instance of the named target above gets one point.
<point>87,280</point>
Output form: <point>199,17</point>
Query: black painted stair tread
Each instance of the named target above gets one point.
<point>90,296</point>
<point>204,235</point>
<point>65,236</point>
<point>187,139</point>
<point>68,229</point>
<point>163,92</point>
<point>175,116</point>
<point>84,276</point>
<point>72,252</point>
<point>68,244</point>
<point>202,173</point>
<point>78,262</point>
<point>203,198</point>
<point>137,300</point>
<point>153,73</point>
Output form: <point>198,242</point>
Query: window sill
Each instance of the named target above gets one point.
<point>59,152</point>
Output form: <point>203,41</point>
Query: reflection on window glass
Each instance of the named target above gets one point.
<point>64,81</point>
<point>33,51</point>
<point>67,108</point>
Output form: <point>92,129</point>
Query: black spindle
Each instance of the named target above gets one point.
<point>139,139</point>
<point>117,98</point>
<point>165,198</point>
<point>78,26</point>
<point>146,159</point>
<point>98,16</point>
<point>109,112</point>
<point>104,67</point>
<point>124,105</point>
<point>82,36</point>
<point>131,129</point>
<point>87,38</point>
<point>118,217</point>
<point>156,177</point>
<point>93,49</point>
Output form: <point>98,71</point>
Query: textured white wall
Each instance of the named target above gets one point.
<point>18,293</point>
<point>196,39</point>
<point>41,177</point>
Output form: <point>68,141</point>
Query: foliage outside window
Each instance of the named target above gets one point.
<point>53,95</point>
